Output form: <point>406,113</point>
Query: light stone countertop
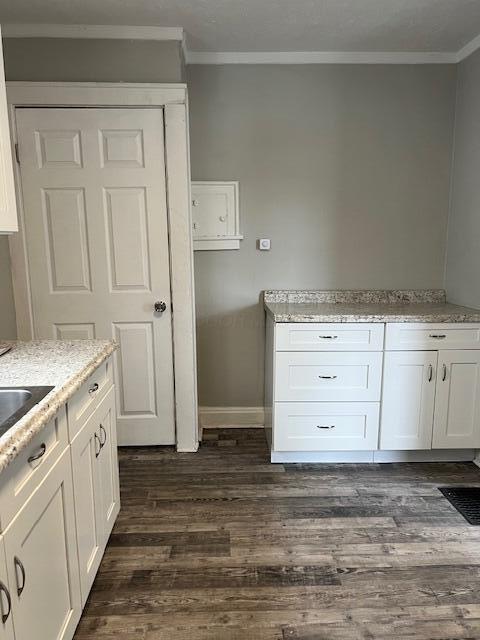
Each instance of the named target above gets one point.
<point>63,364</point>
<point>365,306</point>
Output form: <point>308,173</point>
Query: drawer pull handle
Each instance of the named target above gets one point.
<point>40,454</point>
<point>327,377</point>
<point>9,603</point>
<point>328,337</point>
<point>102,430</point>
<point>444,376</point>
<point>97,439</point>
<point>18,564</point>
<point>325,426</point>
<point>93,388</point>
<point>437,336</point>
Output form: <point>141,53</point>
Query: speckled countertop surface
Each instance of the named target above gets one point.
<point>65,365</point>
<point>365,306</point>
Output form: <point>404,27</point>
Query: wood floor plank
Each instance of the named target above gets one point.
<point>223,545</point>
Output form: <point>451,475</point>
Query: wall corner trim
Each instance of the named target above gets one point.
<point>92,31</point>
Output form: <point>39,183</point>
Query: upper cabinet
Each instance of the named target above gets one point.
<point>8,206</point>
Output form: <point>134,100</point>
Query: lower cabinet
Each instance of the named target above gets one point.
<point>59,501</point>
<point>431,399</point>
<point>408,399</point>
<point>95,473</point>
<point>6,619</point>
<point>42,565</point>
<point>457,404</point>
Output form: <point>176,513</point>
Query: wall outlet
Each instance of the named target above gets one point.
<point>263,244</point>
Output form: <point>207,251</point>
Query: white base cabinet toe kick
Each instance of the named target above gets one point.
<point>378,392</point>
<point>58,502</point>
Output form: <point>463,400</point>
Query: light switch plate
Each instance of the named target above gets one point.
<point>264,244</point>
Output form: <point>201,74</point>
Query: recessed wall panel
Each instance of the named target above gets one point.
<point>136,370</point>
<point>128,238</point>
<point>66,239</point>
<point>122,148</point>
<point>58,148</point>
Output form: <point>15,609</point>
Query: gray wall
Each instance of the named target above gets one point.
<point>345,168</point>
<point>90,60</point>
<point>463,252</point>
<point>8,328</point>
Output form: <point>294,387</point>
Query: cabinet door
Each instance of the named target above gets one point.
<point>6,625</point>
<point>108,464</point>
<point>8,206</point>
<point>457,405</point>
<point>408,399</point>
<point>42,563</point>
<point>86,481</point>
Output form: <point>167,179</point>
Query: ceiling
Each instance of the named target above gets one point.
<point>276,25</point>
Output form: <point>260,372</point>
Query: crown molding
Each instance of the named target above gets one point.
<point>468,49</point>
<point>128,32</point>
<point>102,31</point>
<point>319,57</point>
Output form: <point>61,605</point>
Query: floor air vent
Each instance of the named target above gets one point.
<point>466,500</point>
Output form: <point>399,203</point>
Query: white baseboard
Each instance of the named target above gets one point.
<point>437,455</point>
<point>215,417</point>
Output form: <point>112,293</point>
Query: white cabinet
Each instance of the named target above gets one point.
<point>59,500</point>
<point>457,405</point>
<point>6,619</point>
<point>42,565</point>
<point>8,206</point>
<point>97,501</point>
<point>408,399</point>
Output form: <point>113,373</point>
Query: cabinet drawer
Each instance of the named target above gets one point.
<point>328,377</point>
<point>412,336</point>
<point>84,402</point>
<point>326,426</point>
<point>24,475</point>
<point>304,336</point>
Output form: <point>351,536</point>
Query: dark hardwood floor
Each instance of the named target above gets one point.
<point>222,545</point>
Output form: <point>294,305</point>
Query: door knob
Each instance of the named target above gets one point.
<point>160,307</point>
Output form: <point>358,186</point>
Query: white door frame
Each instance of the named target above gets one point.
<point>172,98</point>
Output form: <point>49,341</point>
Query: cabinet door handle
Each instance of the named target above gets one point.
<point>93,388</point>
<point>40,454</point>
<point>437,336</point>
<point>327,377</point>
<point>444,376</point>
<point>325,426</point>
<point>430,372</point>
<point>18,565</point>
<point>6,613</point>
<point>328,337</point>
<point>102,430</point>
<point>97,439</point>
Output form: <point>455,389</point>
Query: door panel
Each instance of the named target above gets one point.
<point>41,549</point>
<point>94,194</point>
<point>457,407</point>
<point>108,466</point>
<point>6,623</point>
<point>408,399</point>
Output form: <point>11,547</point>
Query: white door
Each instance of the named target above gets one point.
<point>93,183</point>
<point>408,399</point>
<point>108,465</point>
<point>457,405</point>
<point>85,450</point>
<point>8,203</point>
<point>6,624</point>
<point>42,560</point>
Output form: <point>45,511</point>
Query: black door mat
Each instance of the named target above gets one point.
<point>466,501</point>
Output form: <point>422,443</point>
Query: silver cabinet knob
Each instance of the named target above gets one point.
<point>160,306</point>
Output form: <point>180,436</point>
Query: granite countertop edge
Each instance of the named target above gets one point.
<point>23,432</point>
<point>374,318</point>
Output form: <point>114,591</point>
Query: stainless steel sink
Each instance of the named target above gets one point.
<point>15,402</point>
